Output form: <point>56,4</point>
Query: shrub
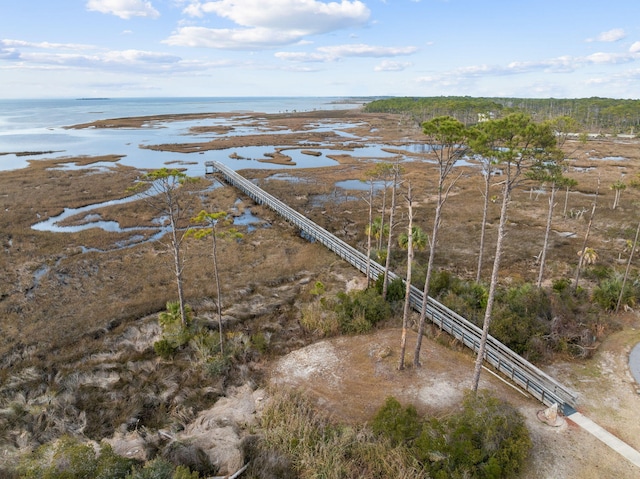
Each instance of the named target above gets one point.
<point>69,458</point>
<point>298,441</point>
<point>164,349</point>
<point>172,329</point>
<point>395,288</point>
<point>260,342</point>
<point>487,439</point>
<point>606,294</point>
<point>400,425</point>
<point>440,281</point>
<point>355,308</point>
<point>560,285</point>
<point>522,315</point>
<point>158,468</point>
<point>110,465</point>
<point>217,365</point>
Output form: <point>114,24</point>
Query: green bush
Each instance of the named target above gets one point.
<point>158,468</point>
<point>400,425</point>
<point>522,315</point>
<point>217,365</point>
<point>164,349</point>
<point>112,466</point>
<point>488,439</point>
<point>173,330</point>
<point>607,292</point>
<point>260,342</point>
<point>359,307</point>
<point>560,285</point>
<point>440,281</point>
<point>395,288</point>
<point>68,458</point>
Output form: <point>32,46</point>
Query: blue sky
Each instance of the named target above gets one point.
<point>132,48</point>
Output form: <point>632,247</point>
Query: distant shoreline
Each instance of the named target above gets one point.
<point>92,99</point>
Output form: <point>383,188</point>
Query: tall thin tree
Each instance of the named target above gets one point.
<point>413,239</point>
<point>397,172</point>
<point>166,193</point>
<point>446,138</point>
<point>586,239</point>
<point>212,222</point>
<point>626,271</point>
<point>515,141</point>
<point>548,171</point>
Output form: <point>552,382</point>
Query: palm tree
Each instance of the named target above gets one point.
<point>589,255</point>
<point>378,230</point>
<point>618,187</point>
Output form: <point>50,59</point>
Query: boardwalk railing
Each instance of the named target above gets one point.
<point>520,371</point>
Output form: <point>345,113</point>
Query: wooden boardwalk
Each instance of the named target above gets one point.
<point>511,365</point>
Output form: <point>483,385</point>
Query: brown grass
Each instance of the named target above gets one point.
<point>99,304</point>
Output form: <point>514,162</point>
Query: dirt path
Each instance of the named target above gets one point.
<point>351,377</point>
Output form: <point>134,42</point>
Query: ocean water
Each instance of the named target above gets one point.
<point>39,126</point>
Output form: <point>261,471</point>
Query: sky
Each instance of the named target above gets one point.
<point>221,48</point>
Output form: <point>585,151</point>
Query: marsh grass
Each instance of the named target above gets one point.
<point>318,447</point>
<point>90,316</point>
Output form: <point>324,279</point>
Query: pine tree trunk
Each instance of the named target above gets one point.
<point>407,294</point>
<point>626,272</point>
<point>492,288</point>
<point>385,286</point>
<point>218,289</point>
<point>543,255</point>
<point>483,226</point>
<point>369,234</point>
<point>427,281</point>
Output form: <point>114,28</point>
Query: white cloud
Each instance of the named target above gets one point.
<point>124,9</point>
<point>361,50</point>
<point>563,64</point>
<point>336,52</point>
<point>268,23</point>
<point>249,39</point>
<point>608,58</point>
<point>635,47</point>
<point>45,45</point>
<point>611,35</point>
<point>391,66</point>
<point>43,56</point>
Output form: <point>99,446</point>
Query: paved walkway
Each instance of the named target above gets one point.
<point>606,437</point>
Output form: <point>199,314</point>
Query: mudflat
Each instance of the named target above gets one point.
<point>86,302</point>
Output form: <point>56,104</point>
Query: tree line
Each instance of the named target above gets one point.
<point>596,115</point>
<point>515,145</point>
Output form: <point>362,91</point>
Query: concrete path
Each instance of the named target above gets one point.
<point>606,437</point>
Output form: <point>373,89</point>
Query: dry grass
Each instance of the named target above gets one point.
<point>64,311</point>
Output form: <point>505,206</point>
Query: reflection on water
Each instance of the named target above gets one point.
<point>87,217</point>
<point>359,185</point>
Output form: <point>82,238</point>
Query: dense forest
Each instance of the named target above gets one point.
<point>594,115</point>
